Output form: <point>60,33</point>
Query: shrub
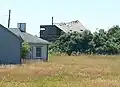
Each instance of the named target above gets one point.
<point>25,50</point>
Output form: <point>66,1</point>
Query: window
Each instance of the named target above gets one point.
<point>38,51</point>
<point>42,28</point>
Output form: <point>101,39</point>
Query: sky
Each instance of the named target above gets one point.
<point>101,14</point>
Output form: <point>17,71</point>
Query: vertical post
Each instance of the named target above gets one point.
<point>47,54</point>
<point>9,19</point>
<point>40,32</point>
<point>52,20</point>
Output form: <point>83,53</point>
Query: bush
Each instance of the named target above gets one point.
<point>25,50</point>
<point>101,42</point>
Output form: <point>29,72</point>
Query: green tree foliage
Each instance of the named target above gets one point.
<point>73,42</point>
<point>107,42</point>
<point>100,39</point>
<point>24,50</point>
<point>113,42</point>
<point>101,42</point>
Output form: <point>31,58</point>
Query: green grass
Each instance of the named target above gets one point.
<point>64,71</point>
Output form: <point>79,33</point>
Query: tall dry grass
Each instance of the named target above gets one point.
<point>64,71</point>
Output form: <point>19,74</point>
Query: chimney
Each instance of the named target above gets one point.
<point>52,20</point>
<point>21,27</point>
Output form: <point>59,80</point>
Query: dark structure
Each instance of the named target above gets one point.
<point>52,32</point>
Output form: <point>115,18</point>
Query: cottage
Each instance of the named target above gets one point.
<point>10,44</point>
<point>39,47</point>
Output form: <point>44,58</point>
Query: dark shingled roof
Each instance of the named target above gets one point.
<point>28,37</point>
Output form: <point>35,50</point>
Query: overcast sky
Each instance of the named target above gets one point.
<point>91,13</point>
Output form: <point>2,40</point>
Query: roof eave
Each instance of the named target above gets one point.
<point>39,43</point>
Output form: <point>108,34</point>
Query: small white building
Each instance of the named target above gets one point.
<point>39,47</point>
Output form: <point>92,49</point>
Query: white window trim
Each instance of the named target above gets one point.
<point>34,52</point>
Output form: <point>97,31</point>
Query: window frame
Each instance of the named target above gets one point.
<point>38,51</point>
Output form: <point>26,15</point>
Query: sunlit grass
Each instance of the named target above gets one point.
<point>64,71</point>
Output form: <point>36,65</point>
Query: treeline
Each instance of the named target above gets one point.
<point>101,42</point>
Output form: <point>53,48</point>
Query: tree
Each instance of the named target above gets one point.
<point>101,42</point>
<point>87,41</point>
<point>113,42</point>
<point>25,50</point>
<point>73,42</point>
<point>107,42</point>
<point>99,38</point>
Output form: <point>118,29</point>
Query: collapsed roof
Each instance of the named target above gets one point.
<point>71,26</point>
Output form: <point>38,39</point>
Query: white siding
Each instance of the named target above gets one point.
<point>43,51</point>
<point>34,52</point>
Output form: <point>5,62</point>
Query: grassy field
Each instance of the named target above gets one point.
<point>64,71</point>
